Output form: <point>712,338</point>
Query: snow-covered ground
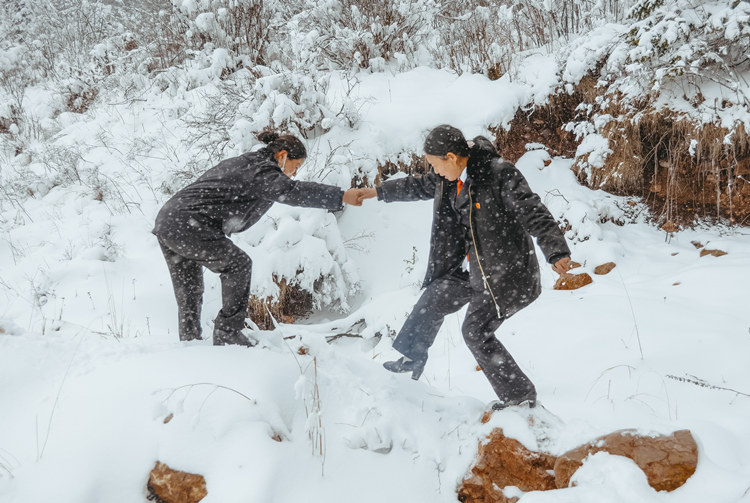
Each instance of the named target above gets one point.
<point>91,366</point>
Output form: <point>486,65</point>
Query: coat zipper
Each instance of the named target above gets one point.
<point>476,251</point>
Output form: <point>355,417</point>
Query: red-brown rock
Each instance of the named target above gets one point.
<point>604,268</point>
<point>667,460</point>
<point>715,253</point>
<point>172,486</point>
<point>572,281</point>
<point>505,462</point>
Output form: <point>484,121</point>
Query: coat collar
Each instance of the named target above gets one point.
<point>462,199</point>
<point>478,169</point>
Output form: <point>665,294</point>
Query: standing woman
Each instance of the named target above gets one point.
<point>192,228</point>
<point>481,253</point>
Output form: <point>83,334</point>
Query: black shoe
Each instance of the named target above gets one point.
<point>405,365</point>
<point>529,399</point>
<point>222,338</point>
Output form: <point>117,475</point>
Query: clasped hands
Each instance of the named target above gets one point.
<point>355,197</point>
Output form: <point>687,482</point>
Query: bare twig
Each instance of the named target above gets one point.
<point>6,463</point>
<point>697,381</point>
<point>57,397</point>
<point>632,312</point>
<point>331,338</point>
<point>218,386</point>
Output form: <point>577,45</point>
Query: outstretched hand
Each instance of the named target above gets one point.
<point>355,197</point>
<point>351,197</point>
<point>562,266</point>
<point>367,193</point>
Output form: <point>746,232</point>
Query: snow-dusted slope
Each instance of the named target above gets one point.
<point>91,367</point>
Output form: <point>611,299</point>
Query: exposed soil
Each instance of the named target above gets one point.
<point>543,125</point>
<point>683,171</point>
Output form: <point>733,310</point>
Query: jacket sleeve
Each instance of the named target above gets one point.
<point>410,188</point>
<point>274,185</point>
<point>531,213</point>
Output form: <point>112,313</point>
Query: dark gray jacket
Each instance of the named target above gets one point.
<point>493,219</point>
<point>236,193</point>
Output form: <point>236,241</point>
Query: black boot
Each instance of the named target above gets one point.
<point>403,364</point>
<point>528,398</point>
<point>224,338</point>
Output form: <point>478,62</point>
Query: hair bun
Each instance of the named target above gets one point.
<point>267,136</point>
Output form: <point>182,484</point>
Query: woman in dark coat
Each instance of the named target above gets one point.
<point>193,226</point>
<point>481,253</point>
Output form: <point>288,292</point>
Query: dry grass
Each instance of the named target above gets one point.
<point>416,166</point>
<point>683,170</point>
<point>291,303</point>
<point>5,125</point>
<point>80,102</point>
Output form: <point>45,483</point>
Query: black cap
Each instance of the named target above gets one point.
<point>444,139</point>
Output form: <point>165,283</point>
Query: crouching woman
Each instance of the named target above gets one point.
<point>194,225</point>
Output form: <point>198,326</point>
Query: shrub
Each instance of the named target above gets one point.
<point>354,34</point>
<point>481,39</point>
<point>668,106</point>
<point>242,27</point>
<point>249,102</point>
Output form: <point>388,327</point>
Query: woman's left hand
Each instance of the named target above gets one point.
<point>562,266</point>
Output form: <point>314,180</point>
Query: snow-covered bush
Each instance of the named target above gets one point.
<point>352,34</point>
<point>59,37</point>
<point>67,49</point>
<point>301,247</point>
<point>669,101</point>
<point>481,38</point>
<point>232,111</point>
<point>673,51</point>
<point>683,43</point>
<point>543,22</point>
<point>467,36</point>
<point>242,27</point>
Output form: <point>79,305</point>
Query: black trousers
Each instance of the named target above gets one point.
<point>445,296</point>
<point>186,258</point>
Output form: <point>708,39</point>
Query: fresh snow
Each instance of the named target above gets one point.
<point>92,367</point>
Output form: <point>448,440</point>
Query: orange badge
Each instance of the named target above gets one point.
<point>477,205</point>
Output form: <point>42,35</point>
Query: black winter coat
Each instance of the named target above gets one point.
<point>236,193</point>
<point>493,219</point>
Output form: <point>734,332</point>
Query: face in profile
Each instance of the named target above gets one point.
<point>447,166</point>
<point>289,166</point>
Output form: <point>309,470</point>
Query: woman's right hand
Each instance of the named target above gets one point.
<point>367,193</point>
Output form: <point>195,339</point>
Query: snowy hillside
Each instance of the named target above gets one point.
<point>84,410</point>
<point>96,386</point>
